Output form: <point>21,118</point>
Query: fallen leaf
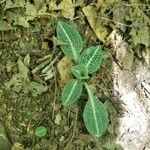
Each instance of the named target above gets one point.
<point>67,9</point>
<point>64,70</point>
<point>4,26</point>
<point>141,35</point>
<point>100,30</point>
<point>15,4</point>
<point>52,5</point>
<point>36,88</point>
<point>17,146</point>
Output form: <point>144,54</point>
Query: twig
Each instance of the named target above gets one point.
<point>51,63</point>
<point>55,95</point>
<point>74,129</point>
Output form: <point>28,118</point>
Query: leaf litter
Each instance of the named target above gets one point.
<point>27,99</point>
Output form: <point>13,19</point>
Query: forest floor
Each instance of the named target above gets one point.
<point>33,69</point>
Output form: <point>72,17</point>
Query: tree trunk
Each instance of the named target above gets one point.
<point>132,89</point>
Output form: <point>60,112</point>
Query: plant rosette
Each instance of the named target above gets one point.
<point>87,61</point>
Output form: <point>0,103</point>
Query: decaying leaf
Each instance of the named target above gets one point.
<point>100,30</point>
<point>23,70</point>
<point>17,146</point>
<point>52,5</point>
<point>4,26</point>
<point>65,6</point>
<point>140,21</point>
<point>18,81</point>
<point>140,32</point>
<point>141,35</point>
<point>15,4</point>
<point>119,14</point>
<point>67,9</point>
<point>22,82</point>
<point>64,70</point>
<point>29,14</point>
<point>36,88</point>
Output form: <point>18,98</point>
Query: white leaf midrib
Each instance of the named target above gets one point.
<point>70,42</point>
<point>91,100</point>
<point>92,56</point>
<point>94,112</point>
<point>71,92</point>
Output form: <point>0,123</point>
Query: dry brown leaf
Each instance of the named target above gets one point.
<point>67,9</point>
<point>52,5</point>
<point>64,70</point>
<point>95,23</point>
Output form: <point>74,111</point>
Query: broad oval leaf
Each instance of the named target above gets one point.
<point>71,92</point>
<point>72,40</point>
<point>80,71</point>
<point>92,57</point>
<point>95,117</point>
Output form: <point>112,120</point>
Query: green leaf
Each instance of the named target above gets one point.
<point>92,57</point>
<point>80,71</point>
<point>72,40</point>
<point>71,92</point>
<point>95,115</point>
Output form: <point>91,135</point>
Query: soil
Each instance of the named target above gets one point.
<point>31,78</point>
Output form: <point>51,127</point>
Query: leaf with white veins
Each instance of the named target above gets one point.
<point>92,57</point>
<point>95,115</point>
<point>71,92</point>
<point>72,40</point>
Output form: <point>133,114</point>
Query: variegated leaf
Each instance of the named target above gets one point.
<point>92,57</point>
<point>71,92</point>
<point>95,117</point>
<point>72,41</point>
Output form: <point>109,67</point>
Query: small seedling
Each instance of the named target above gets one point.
<point>95,114</point>
<point>40,131</point>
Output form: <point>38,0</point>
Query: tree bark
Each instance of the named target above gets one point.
<point>132,89</point>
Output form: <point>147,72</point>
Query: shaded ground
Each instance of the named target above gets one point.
<point>31,80</point>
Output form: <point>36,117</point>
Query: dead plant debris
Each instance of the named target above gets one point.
<point>32,70</point>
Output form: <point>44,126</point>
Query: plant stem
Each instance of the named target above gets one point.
<point>88,90</point>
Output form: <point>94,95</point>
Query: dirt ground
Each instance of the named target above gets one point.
<point>32,74</point>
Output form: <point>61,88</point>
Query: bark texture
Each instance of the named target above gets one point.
<point>132,88</point>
